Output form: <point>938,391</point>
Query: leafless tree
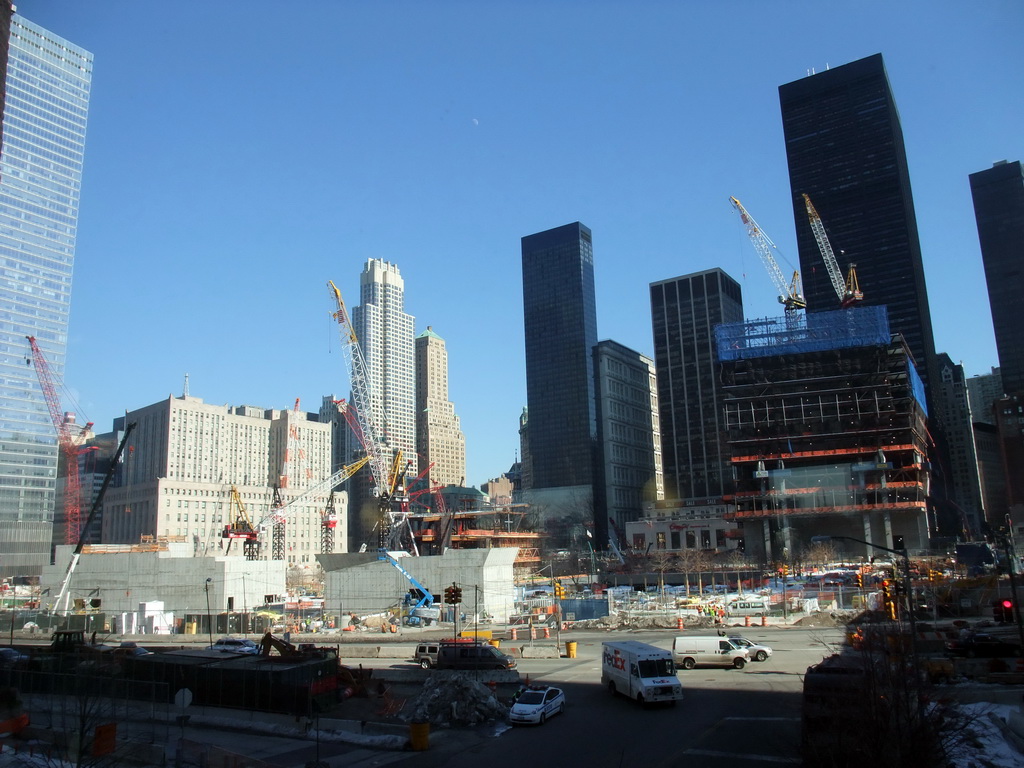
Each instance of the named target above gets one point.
<point>693,561</point>
<point>660,561</point>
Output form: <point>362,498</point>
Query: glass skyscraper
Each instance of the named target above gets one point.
<point>999,210</point>
<point>47,101</point>
<point>684,313</point>
<point>844,146</point>
<point>560,316</point>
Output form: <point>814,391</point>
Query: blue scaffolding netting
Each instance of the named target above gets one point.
<point>807,332</point>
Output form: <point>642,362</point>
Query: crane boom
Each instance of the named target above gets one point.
<point>847,292</point>
<point>343,474</point>
<point>66,443</point>
<point>63,592</point>
<point>791,295</point>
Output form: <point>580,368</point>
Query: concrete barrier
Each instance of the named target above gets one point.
<point>540,652</point>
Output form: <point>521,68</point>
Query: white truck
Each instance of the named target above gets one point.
<point>639,671</point>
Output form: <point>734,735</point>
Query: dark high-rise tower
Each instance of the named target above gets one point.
<point>845,150</point>
<point>684,313</point>
<point>999,209</point>
<point>560,312</point>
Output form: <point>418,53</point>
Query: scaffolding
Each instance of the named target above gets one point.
<point>811,332</point>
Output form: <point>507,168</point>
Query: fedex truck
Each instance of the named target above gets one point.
<point>639,671</point>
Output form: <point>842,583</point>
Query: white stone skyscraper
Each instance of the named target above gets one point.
<point>438,432</point>
<point>45,113</point>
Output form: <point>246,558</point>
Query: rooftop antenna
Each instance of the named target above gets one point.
<point>185,392</point>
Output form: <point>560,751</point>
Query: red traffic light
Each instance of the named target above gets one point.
<point>1007,603</point>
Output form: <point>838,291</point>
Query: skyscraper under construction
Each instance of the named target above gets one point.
<point>826,427</point>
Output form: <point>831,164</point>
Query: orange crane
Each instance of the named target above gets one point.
<point>849,292</point>
<point>70,445</point>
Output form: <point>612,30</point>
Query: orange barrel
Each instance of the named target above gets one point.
<point>570,649</point>
<point>764,621</point>
<point>419,736</point>
<point>514,632</point>
<point>746,621</point>
<point>547,632</point>
<point>679,623</point>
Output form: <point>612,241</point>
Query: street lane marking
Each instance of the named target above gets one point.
<point>737,756</point>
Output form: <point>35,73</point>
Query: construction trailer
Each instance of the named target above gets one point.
<point>827,429</point>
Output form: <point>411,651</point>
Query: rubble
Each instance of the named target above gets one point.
<point>626,620</point>
<point>459,700</point>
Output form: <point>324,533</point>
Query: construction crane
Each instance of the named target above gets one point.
<point>279,512</point>
<point>848,292</point>
<point>68,443</point>
<point>241,527</point>
<point>63,592</point>
<point>371,438</point>
<point>791,296</point>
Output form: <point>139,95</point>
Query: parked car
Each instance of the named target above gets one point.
<point>472,655</point>
<point>536,704</point>
<point>11,657</point>
<point>755,651</point>
<point>129,648</point>
<point>426,654</point>
<point>235,645</point>
<point>987,646</point>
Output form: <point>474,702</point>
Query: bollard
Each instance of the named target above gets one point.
<point>679,622</point>
<point>547,632</point>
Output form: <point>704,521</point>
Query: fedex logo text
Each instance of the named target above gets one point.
<point>615,660</point>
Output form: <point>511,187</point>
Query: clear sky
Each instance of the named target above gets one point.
<point>241,154</point>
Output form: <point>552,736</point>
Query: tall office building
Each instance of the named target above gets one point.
<point>560,316</point>
<point>684,312</point>
<point>439,437</point>
<point>45,111</point>
<point>999,210</point>
<point>952,404</point>
<point>385,334</point>
<point>628,437</point>
<point>845,150</point>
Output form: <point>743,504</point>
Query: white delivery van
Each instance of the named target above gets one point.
<point>693,650</point>
<point>747,608</point>
<point>639,671</point>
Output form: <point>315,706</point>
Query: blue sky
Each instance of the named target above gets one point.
<point>241,154</point>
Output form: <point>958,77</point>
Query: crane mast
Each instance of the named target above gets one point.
<point>68,444</point>
<point>791,295</point>
<point>848,292</point>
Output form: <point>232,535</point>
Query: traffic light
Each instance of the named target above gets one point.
<point>449,595</point>
<point>860,581</point>
<point>559,590</point>
<point>1002,610</point>
<point>785,570</point>
<point>456,595</point>
<point>888,604</point>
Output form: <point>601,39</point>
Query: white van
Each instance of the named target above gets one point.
<point>746,608</point>
<point>639,671</point>
<point>693,650</point>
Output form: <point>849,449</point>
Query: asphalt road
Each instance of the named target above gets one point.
<point>728,717</point>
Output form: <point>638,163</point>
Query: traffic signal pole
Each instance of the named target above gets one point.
<point>1010,557</point>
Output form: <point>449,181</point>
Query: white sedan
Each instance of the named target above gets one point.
<point>755,651</point>
<point>537,704</point>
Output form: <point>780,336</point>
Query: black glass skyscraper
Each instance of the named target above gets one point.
<point>845,150</point>
<point>684,313</point>
<point>999,209</point>
<point>560,312</point>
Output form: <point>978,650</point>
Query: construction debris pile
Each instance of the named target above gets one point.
<point>636,620</point>
<point>458,700</point>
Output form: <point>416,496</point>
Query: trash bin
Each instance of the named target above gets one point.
<point>419,736</point>
<point>570,649</point>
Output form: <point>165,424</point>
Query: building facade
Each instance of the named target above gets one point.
<point>998,195</point>
<point>827,433</point>
<point>982,391</point>
<point>953,408</point>
<point>684,312</point>
<point>385,334</point>
<point>439,437</point>
<point>44,124</point>
<point>560,318</point>
<point>844,146</point>
<point>185,458</point>
<point>628,438</point>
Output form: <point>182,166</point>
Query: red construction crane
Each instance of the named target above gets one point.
<point>69,445</point>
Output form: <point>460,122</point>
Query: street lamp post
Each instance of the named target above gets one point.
<point>209,621</point>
